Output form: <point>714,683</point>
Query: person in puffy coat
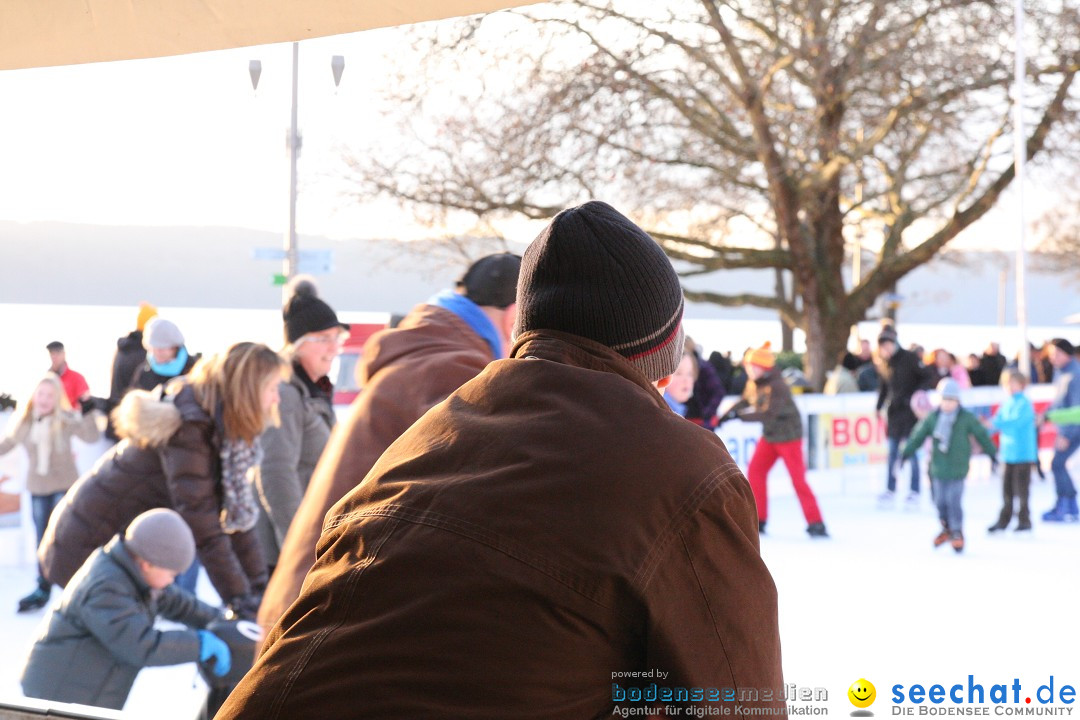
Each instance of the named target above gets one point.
<point>45,429</point>
<point>102,632</point>
<point>313,337</point>
<point>187,446</point>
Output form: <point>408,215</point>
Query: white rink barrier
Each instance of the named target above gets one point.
<point>844,441</point>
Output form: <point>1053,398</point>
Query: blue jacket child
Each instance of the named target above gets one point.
<point>1015,420</point>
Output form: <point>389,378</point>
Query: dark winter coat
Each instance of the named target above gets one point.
<point>102,633</point>
<point>954,463</point>
<point>901,376</point>
<point>772,406</point>
<point>130,354</point>
<point>172,461</point>
<point>551,523</point>
<point>403,373</point>
<point>290,453</point>
<point>707,395</point>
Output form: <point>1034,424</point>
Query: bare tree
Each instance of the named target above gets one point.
<point>755,134</point>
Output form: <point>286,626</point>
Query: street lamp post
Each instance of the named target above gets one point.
<point>1019,161</point>
<point>293,142</point>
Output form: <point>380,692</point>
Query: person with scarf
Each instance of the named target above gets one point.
<point>166,355</point>
<point>404,371</point>
<point>313,337</point>
<point>187,445</point>
<point>952,428</point>
<point>45,428</point>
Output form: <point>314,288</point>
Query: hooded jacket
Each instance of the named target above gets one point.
<point>404,372</point>
<point>102,633</point>
<point>548,525</point>
<point>170,459</point>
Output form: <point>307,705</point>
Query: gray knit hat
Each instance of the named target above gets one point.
<point>161,333</point>
<point>594,273</point>
<point>949,389</point>
<point>161,538</point>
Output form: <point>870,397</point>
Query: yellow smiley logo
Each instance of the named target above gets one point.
<point>862,693</point>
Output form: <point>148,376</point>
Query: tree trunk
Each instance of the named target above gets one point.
<point>787,330</point>
<point>827,334</point>
<point>787,336</point>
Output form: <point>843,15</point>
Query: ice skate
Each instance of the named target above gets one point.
<point>886,500</point>
<point>958,542</point>
<point>817,530</point>
<point>911,502</point>
<point>37,599</point>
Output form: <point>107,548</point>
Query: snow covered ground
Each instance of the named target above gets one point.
<point>875,601</point>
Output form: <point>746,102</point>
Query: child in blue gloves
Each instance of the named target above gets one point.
<point>101,633</point>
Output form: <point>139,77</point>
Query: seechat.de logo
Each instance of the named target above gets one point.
<point>862,694</point>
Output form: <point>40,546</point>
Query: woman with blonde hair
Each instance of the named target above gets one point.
<point>44,426</point>
<point>188,446</point>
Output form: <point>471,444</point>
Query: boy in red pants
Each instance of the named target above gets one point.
<point>771,404</point>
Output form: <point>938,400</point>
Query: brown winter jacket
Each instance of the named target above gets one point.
<point>551,524</point>
<point>404,372</point>
<point>773,407</point>
<point>61,473</point>
<point>178,468</point>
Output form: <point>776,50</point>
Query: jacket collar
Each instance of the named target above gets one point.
<point>581,352</point>
<point>117,551</point>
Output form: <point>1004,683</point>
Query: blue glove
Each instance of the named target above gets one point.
<point>211,647</point>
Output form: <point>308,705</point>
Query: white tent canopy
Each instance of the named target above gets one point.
<point>37,33</point>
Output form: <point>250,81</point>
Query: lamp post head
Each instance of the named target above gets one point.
<point>337,64</point>
<point>255,70</point>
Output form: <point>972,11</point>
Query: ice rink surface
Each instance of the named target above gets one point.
<point>874,601</point>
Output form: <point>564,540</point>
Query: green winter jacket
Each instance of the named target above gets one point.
<point>951,465</point>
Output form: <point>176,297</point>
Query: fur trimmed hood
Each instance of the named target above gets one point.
<point>150,418</point>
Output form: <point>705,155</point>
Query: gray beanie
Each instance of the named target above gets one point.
<point>161,333</point>
<point>949,388</point>
<point>161,538</point>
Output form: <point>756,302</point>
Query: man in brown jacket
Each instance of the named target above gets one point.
<point>404,372</point>
<point>550,540</point>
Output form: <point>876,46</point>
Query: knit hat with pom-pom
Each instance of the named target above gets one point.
<point>305,312</point>
<point>763,356</point>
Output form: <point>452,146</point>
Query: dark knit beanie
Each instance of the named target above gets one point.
<point>594,273</point>
<point>1064,346</point>
<point>492,280</point>
<point>162,538</point>
<point>305,312</point>
<point>887,335</point>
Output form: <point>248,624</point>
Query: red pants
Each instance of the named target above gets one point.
<point>765,456</point>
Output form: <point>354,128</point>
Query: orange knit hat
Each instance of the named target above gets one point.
<point>146,311</point>
<point>762,356</point>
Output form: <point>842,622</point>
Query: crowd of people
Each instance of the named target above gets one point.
<point>488,507</point>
